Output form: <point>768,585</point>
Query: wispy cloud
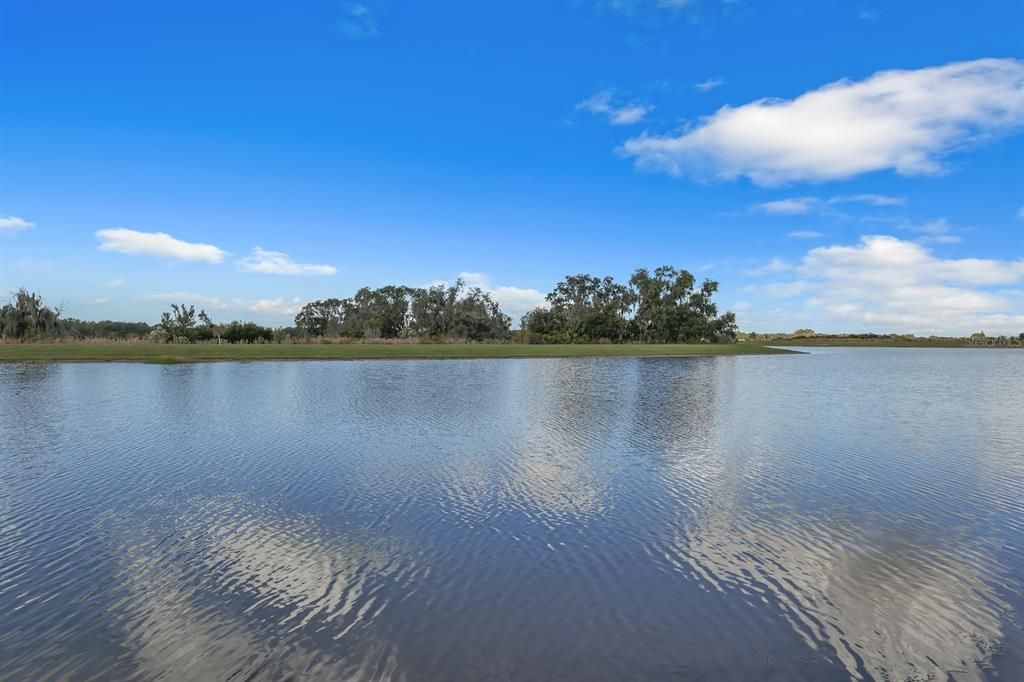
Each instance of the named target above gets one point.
<point>278,263</point>
<point>617,114</point>
<point>812,204</point>
<point>774,266</point>
<point>906,121</point>
<point>791,206</point>
<point>936,232</point>
<point>1020,213</point>
<point>709,84</point>
<point>805,234</point>
<point>116,283</point>
<point>642,8</point>
<point>357,22</point>
<point>159,244</point>
<point>9,224</point>
<point>872,199</point>
<point>943,239</point>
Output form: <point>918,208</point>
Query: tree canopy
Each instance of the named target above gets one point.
<point>663,307</point>
<point>25,317</point>
<point>390,312</point>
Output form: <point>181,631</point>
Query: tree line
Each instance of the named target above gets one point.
<point>182,324</point>
<point>663,306</point>
<point>27,318</point>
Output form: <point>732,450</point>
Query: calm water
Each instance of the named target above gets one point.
<point>853,513</point>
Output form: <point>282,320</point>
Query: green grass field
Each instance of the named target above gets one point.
<point>170,354</point>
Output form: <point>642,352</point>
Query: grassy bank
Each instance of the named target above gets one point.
<point>169,354</point>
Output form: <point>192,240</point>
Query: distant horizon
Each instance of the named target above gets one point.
<point>250,158</point>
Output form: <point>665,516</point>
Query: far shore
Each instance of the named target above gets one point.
<point>897,342</point>
<point>162,353</point>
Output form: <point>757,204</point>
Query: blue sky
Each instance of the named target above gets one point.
<point>249,157</point>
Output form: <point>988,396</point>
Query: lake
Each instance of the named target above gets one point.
<point>845,514</point>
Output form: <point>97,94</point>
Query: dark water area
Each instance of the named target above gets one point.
<point>846,514</point>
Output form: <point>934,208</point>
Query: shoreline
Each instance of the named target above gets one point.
<point>870,343</point>
<point>182,354</point>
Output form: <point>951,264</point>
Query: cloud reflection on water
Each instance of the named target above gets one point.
<point>893,593</point>
<point>205,604</point>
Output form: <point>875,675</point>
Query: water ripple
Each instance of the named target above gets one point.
<point>851,514</point>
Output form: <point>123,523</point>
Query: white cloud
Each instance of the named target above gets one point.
<point>160,244</point>
<point>116,283</point>
<point>1020,213</point>
<point>603,104</point>
<point>274,306</point>
<point>805,234</point>
<point>277,263</point>
<point>101,301</point>
<point>891,285</point>
<point>12,223</point>
<point>884,259</point>
<point>779,289</point>
<point>516,302</point>
<point>709,84</point>
<point>907,121</point>
<point>628,115</point>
